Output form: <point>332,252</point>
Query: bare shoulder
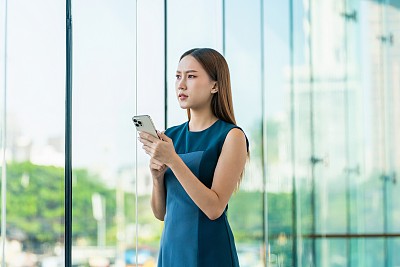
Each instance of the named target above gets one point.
<point>235,140</point>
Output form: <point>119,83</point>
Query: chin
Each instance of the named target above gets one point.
<point>183,105</point>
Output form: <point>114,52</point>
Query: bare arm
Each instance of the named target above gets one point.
<point>226,176</point>
<point>158,200</point>
<point>158,194</point>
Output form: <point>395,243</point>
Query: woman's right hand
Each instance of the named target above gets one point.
<point>157,169</point>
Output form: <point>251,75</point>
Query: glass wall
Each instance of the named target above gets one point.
<point>32,90</point>
<point>344,121</point>
<point>315,87</point>
<point>244,55</point>
<point>103,139</point>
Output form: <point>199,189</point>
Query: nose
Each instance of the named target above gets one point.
<point>181,84</point>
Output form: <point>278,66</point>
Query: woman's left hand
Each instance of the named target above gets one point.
<point>160,149</point>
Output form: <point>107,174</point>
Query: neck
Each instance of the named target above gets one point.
<point>200,120</point>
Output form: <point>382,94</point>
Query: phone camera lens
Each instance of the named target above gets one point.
<point>140,123</point>
<point>134,120</point>
<point>137,124</point>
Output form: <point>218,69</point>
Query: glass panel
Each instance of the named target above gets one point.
<point>391,63</point>
<point>35,132</point>
<point>373,188</point>
<point>328,121</point>
<point>204,30</point>
<point>301,116</point>
<point>395,247</point>
<point>392,68</point>
<point>357,248</point>
<point>277,116</point>
<point>104,97</point>
<point>354,98</point>
<point>368,192</point>
<point>244,58</point>
<point>332,252</point>
<point>150,100</point>
<point>368,252</point>
<point>374,252</point>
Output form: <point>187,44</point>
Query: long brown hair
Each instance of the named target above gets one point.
<point>217,69</point>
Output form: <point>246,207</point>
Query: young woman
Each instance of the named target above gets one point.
<point>197,165</point>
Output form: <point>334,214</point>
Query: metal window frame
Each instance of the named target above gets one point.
<point>68,139</point>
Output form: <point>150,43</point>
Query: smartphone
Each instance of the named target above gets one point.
<point>144,123</point>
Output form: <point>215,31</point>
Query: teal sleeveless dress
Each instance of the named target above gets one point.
<point>190,238</point>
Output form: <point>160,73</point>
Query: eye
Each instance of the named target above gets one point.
<point>191,76</point>
<point>178,76</point>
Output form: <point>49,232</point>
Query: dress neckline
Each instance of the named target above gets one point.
<point>201,131</point>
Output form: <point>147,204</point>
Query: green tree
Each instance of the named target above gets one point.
<point>35,202</point>
<point>35,205</point>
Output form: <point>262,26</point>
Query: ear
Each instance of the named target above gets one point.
<point>215,88</point>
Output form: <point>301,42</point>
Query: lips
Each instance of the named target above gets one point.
<point>182,96</point>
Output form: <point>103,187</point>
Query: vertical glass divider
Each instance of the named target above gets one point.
<point>223,28</point>
<point>136,139</point>
<point>386,128</point>
<point>312,136</point>
<point>165,65</point>
<point>263,139</point>
<point>292,135</point>
<point>68,138</point>
<point>3,144</point>
<point>347,133</point>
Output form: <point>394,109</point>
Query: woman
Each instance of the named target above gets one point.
<point>197,165</point>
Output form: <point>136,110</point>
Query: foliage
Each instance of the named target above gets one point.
<point>84,226</point>
<point>35,204</point>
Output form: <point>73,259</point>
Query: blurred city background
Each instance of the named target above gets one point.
<point>316,87</point>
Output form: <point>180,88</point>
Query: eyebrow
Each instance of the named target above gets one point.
<point>188,71</point>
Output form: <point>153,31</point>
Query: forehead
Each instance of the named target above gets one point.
<point>189,63</point>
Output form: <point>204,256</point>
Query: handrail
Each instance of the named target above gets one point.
<point>363,235</point>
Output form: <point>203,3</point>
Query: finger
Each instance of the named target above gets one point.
<point>148,153</point>
<point>147,137</point>
<point>156,162</point>
<point>148,150</point>
<point>147,143</point>
<point>157,167</point>
<point>165,138</point>
<point>144,141</point>
<point>153,160</point>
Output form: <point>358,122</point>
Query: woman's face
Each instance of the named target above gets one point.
<point>194,88</point>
